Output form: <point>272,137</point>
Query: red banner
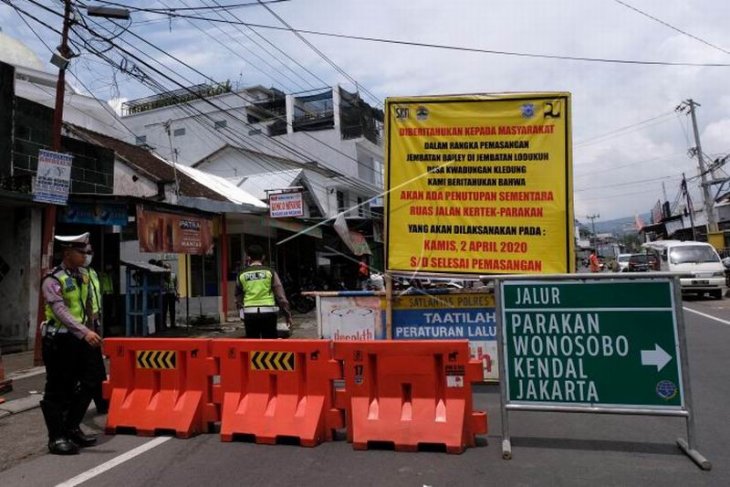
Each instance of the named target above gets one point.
<point>172,232</point>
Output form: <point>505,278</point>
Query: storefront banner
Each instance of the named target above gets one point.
<point>479,184</point>
<point>94,214</point>
<point>286,205</point>
<point>172,232</point>
<point>53,177</point>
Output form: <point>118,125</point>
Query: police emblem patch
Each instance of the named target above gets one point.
<point>666,389</point>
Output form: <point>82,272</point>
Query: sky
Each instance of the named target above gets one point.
<point>627,137</point>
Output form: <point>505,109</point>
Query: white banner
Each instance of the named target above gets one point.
<point>286,205</point>
<point>53,177</point>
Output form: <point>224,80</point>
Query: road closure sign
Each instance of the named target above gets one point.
<point>611,344</point>
<point>479,184</point>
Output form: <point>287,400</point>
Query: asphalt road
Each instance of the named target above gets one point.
<point>548,448</point>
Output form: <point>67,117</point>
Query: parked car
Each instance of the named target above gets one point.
<point>700,266</point>
<point>623,262</point>
<point>642,263</point>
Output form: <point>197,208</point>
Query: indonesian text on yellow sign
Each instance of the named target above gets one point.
<point>479,184</point>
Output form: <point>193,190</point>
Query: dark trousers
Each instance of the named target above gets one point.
<point>168,306</point>
<point>70,383</point>
<point>260,325</point>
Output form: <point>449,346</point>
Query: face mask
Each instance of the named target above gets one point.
<point>87,259</point>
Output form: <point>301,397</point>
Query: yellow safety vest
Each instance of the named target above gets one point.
<point>96,288</point>
<point>75,295</point>
<point>256,283</point>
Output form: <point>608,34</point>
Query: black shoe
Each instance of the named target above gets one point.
<point>81,439</point>
<point>62,446</point>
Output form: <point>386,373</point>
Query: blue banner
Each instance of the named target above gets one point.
<point>94,214</point>
<point>478,324</point>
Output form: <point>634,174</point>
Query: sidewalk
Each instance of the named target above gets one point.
<point>29,380</point>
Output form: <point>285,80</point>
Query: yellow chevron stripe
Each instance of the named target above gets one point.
<point>156,359</point>
<point>283,361</point>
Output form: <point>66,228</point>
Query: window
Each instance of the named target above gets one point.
<point>140,140</point>
<point>220,124</point>
<point>360,207</point>
<point>179,132</point>
<point>341,201</point>
<point>378,171</point>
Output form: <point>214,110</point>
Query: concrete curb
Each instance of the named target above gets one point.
<point>20,405</point>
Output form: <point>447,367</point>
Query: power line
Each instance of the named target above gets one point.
<point>219,7</point>
<point>300,65</point>
<point>610,134</point>
<point>321,54</point>
<point>435,46</point>
<point>626,183</point>
<point>672,27</point>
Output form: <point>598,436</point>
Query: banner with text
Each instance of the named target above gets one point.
<point>286,205</point>
<point>53,177</point>
<point>172,232</point>
<point>479,184</point>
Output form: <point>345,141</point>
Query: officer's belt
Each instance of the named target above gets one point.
<point>260,309</point>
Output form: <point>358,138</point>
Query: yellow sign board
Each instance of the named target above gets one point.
<point>479,184</point>
<point>156,359</point>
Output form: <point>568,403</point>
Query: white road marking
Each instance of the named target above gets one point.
<point>724,322</point>
<point>100,469</point>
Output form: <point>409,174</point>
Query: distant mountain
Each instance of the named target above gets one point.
<point>619,226</point>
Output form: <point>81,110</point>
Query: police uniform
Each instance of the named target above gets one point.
<point>68,304</point>
<point>259,289</point>
<point>95,372</point>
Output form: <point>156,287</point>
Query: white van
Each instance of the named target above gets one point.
<point>701,267</point>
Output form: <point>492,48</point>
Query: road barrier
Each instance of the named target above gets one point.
<point>159,385</point>
<point>404,393</point>
<point>410,394</point>
<point>273,390</point>
<point>6,385</point>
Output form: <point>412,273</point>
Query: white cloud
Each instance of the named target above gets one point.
<point>606,96</point>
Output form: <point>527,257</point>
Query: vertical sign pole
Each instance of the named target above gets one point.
<point>688,447</point>
<point>506,441</point>
<point>388,306</point>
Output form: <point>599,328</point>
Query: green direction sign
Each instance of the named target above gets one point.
<point>594,344</point>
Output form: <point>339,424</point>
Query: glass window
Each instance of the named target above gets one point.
<point>179,132</point>
<point>220,124</point>
<point>140,139</point>
<point>694,254</point>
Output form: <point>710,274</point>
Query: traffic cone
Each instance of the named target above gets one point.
<point>6,385</point>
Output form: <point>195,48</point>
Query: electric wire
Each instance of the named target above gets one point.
<point>441,46</point>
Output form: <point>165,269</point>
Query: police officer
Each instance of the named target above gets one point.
<point>258,290</point>
<point>169,296</point>
<point>95,372</point>
<point>66,341</point>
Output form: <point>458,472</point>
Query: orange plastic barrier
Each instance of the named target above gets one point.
<point>6,385</point>
<point>159,385</point>
<point>410,394</point>
<point>277,389</point>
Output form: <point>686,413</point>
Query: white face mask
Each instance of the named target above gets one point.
<point>87,259</point>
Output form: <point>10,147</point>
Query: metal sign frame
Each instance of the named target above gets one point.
<point>685,411</point>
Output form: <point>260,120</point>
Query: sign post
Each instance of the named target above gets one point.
<point>594,345</point>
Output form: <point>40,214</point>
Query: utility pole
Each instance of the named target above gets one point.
<point>61,59</point>
<point>49,212</point>
<point>690,208</point>
<point>689,105</point>
<point>593,218</point>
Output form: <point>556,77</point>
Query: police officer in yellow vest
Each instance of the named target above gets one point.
<point>66,340</point>
<point>95,372</point>
<point>258,290</point>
